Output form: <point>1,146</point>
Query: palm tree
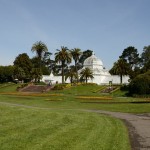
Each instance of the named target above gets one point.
<point>63,56</point>
<point>40,48</point>
<point>86,73</point>
<point>71,74</point>
<point>76,52</point>
<point>121,67</point>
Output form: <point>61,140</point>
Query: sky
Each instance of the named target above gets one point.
<point>105,26</point>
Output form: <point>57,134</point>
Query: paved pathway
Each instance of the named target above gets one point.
<point>138,125</point>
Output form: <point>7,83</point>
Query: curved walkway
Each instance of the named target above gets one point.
<point>138,125</point>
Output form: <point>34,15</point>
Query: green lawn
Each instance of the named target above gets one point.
<point>69,100</point>
<point>70,103</point>
<point>54,120</point>
<point>39,129</point>
<point>8,87</point>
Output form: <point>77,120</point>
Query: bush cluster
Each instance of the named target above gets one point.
<point>89,84</point>
<point>124,87</point>
<point>61,86</point>
<point>140,85</point>
<point>94,98</point>
<point>40,83</point>
<point>22,86</point>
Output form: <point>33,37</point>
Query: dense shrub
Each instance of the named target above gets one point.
<point>59,87</point>
<point>140,85</point>
<point>40,83</point>
<point>22,86</point>
<point>124,87</point>
<point>89,84</point>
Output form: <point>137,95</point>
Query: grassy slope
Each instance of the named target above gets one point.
<point>68,100</point>
<point>36,129</point>
<point>8,87</point>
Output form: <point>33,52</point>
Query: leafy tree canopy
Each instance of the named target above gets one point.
<point>6,73</point>
<point>130,54</point>
<point>19,73</point>
<point>36,74</point>
<point>145,59</point>
<point>140,85</point>
<point>84,56</point>
<point>47,59</point>
<point>24,62</point>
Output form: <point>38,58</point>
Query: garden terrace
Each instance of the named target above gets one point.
<point>36,88</point>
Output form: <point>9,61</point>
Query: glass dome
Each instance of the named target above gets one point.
<point>93,60</point>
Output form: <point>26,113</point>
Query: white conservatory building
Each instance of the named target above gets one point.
<point>101,75</point>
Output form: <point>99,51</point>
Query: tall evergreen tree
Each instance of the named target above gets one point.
<point>131,55</point>
<point>145,59</point>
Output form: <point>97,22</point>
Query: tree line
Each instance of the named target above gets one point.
<point>137,66</point>
<point>130,62</point>
<point>27,69</point>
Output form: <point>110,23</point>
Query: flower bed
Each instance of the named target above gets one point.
<point>30,94</point>
<point>21,86</point>
<point>61,86</point>
<point>93,98</point>
<point>53,99</point>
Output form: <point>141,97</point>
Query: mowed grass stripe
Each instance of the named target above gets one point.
<point>33,129</point>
